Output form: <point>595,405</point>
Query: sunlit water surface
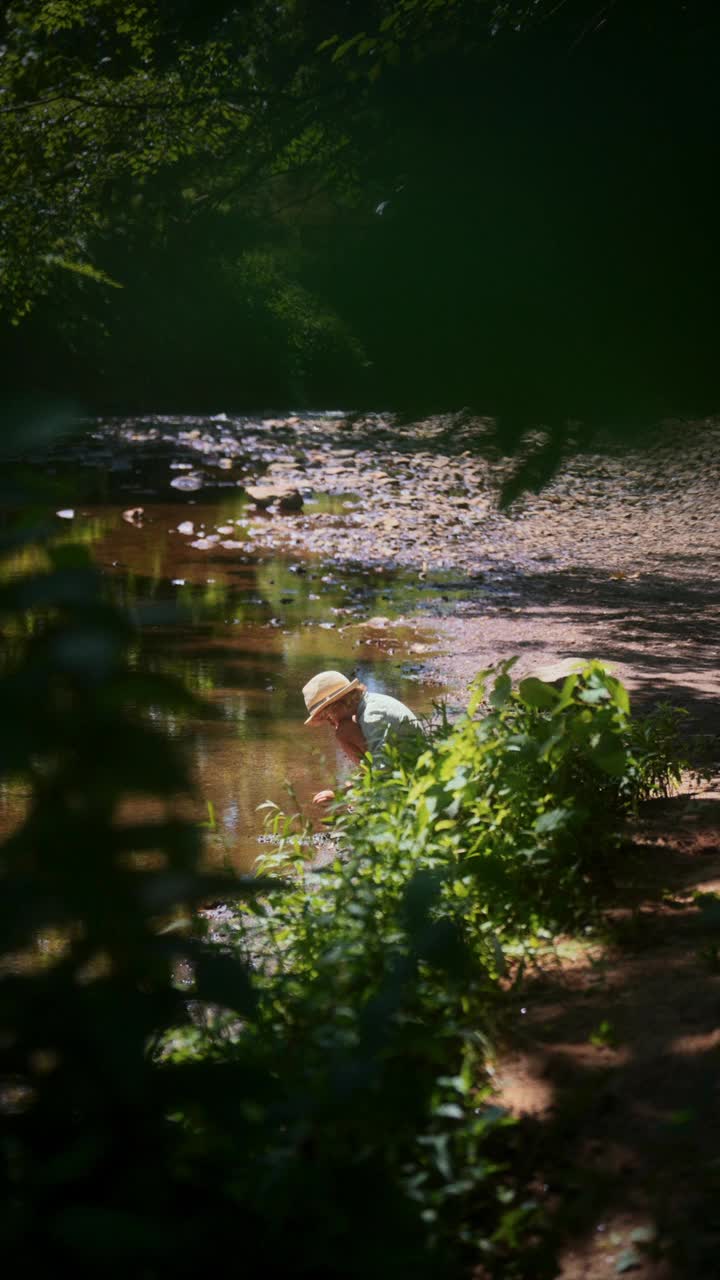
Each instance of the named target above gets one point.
<point>245,629</point>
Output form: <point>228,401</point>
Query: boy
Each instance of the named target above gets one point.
<point>362,721</point>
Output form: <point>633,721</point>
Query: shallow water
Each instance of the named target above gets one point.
<point>243,626</point>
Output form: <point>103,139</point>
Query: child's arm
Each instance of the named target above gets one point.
<point>351,739</point>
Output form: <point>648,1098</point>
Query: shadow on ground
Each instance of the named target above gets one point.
<point>613,1064</point>
<point>659,632</point>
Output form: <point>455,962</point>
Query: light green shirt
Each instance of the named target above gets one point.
<point>381,718</point>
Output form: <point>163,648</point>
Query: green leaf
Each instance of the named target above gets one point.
<point>620,695</point>
<point>553,820</point>
<point>347,45</point>
<point>501,692</point>
<point>604,1036</point>
<point>567,691</point>
<point>477,692</point>
<point>211,823</point>
<point>595,694</point>
<point>613,762</point>
<point>449,1109</point>
<point>536,693</point>
<point>84,269</point>
<point>678,1119</point>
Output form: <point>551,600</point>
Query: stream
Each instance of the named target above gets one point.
<point>242,624</point>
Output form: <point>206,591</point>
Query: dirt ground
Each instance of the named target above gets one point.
<point>612,1061</point>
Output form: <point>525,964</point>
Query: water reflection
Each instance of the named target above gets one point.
<point>251,662</point>
<point>246,631</point>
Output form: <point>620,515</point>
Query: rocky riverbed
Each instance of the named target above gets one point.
<point>617,557</point>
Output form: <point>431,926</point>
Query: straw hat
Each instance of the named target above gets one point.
<point>325,688</point>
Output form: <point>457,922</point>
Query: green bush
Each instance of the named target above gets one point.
<point>378,977</point>
<point>372,1031</point>
<point>521,808</point>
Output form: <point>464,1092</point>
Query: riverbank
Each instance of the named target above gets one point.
<point>609,1056</point>
<point>618,556</point>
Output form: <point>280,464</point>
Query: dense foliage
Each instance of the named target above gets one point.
<point>501,205</point>
<point>381,977</point>
<point>92,906</point>
<point>521,808</point>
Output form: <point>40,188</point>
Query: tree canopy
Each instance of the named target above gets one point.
<point>433,203</point>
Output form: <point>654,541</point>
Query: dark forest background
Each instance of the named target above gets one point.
<point>428,206</point>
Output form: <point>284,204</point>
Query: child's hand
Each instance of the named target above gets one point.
<point>323,797</point>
